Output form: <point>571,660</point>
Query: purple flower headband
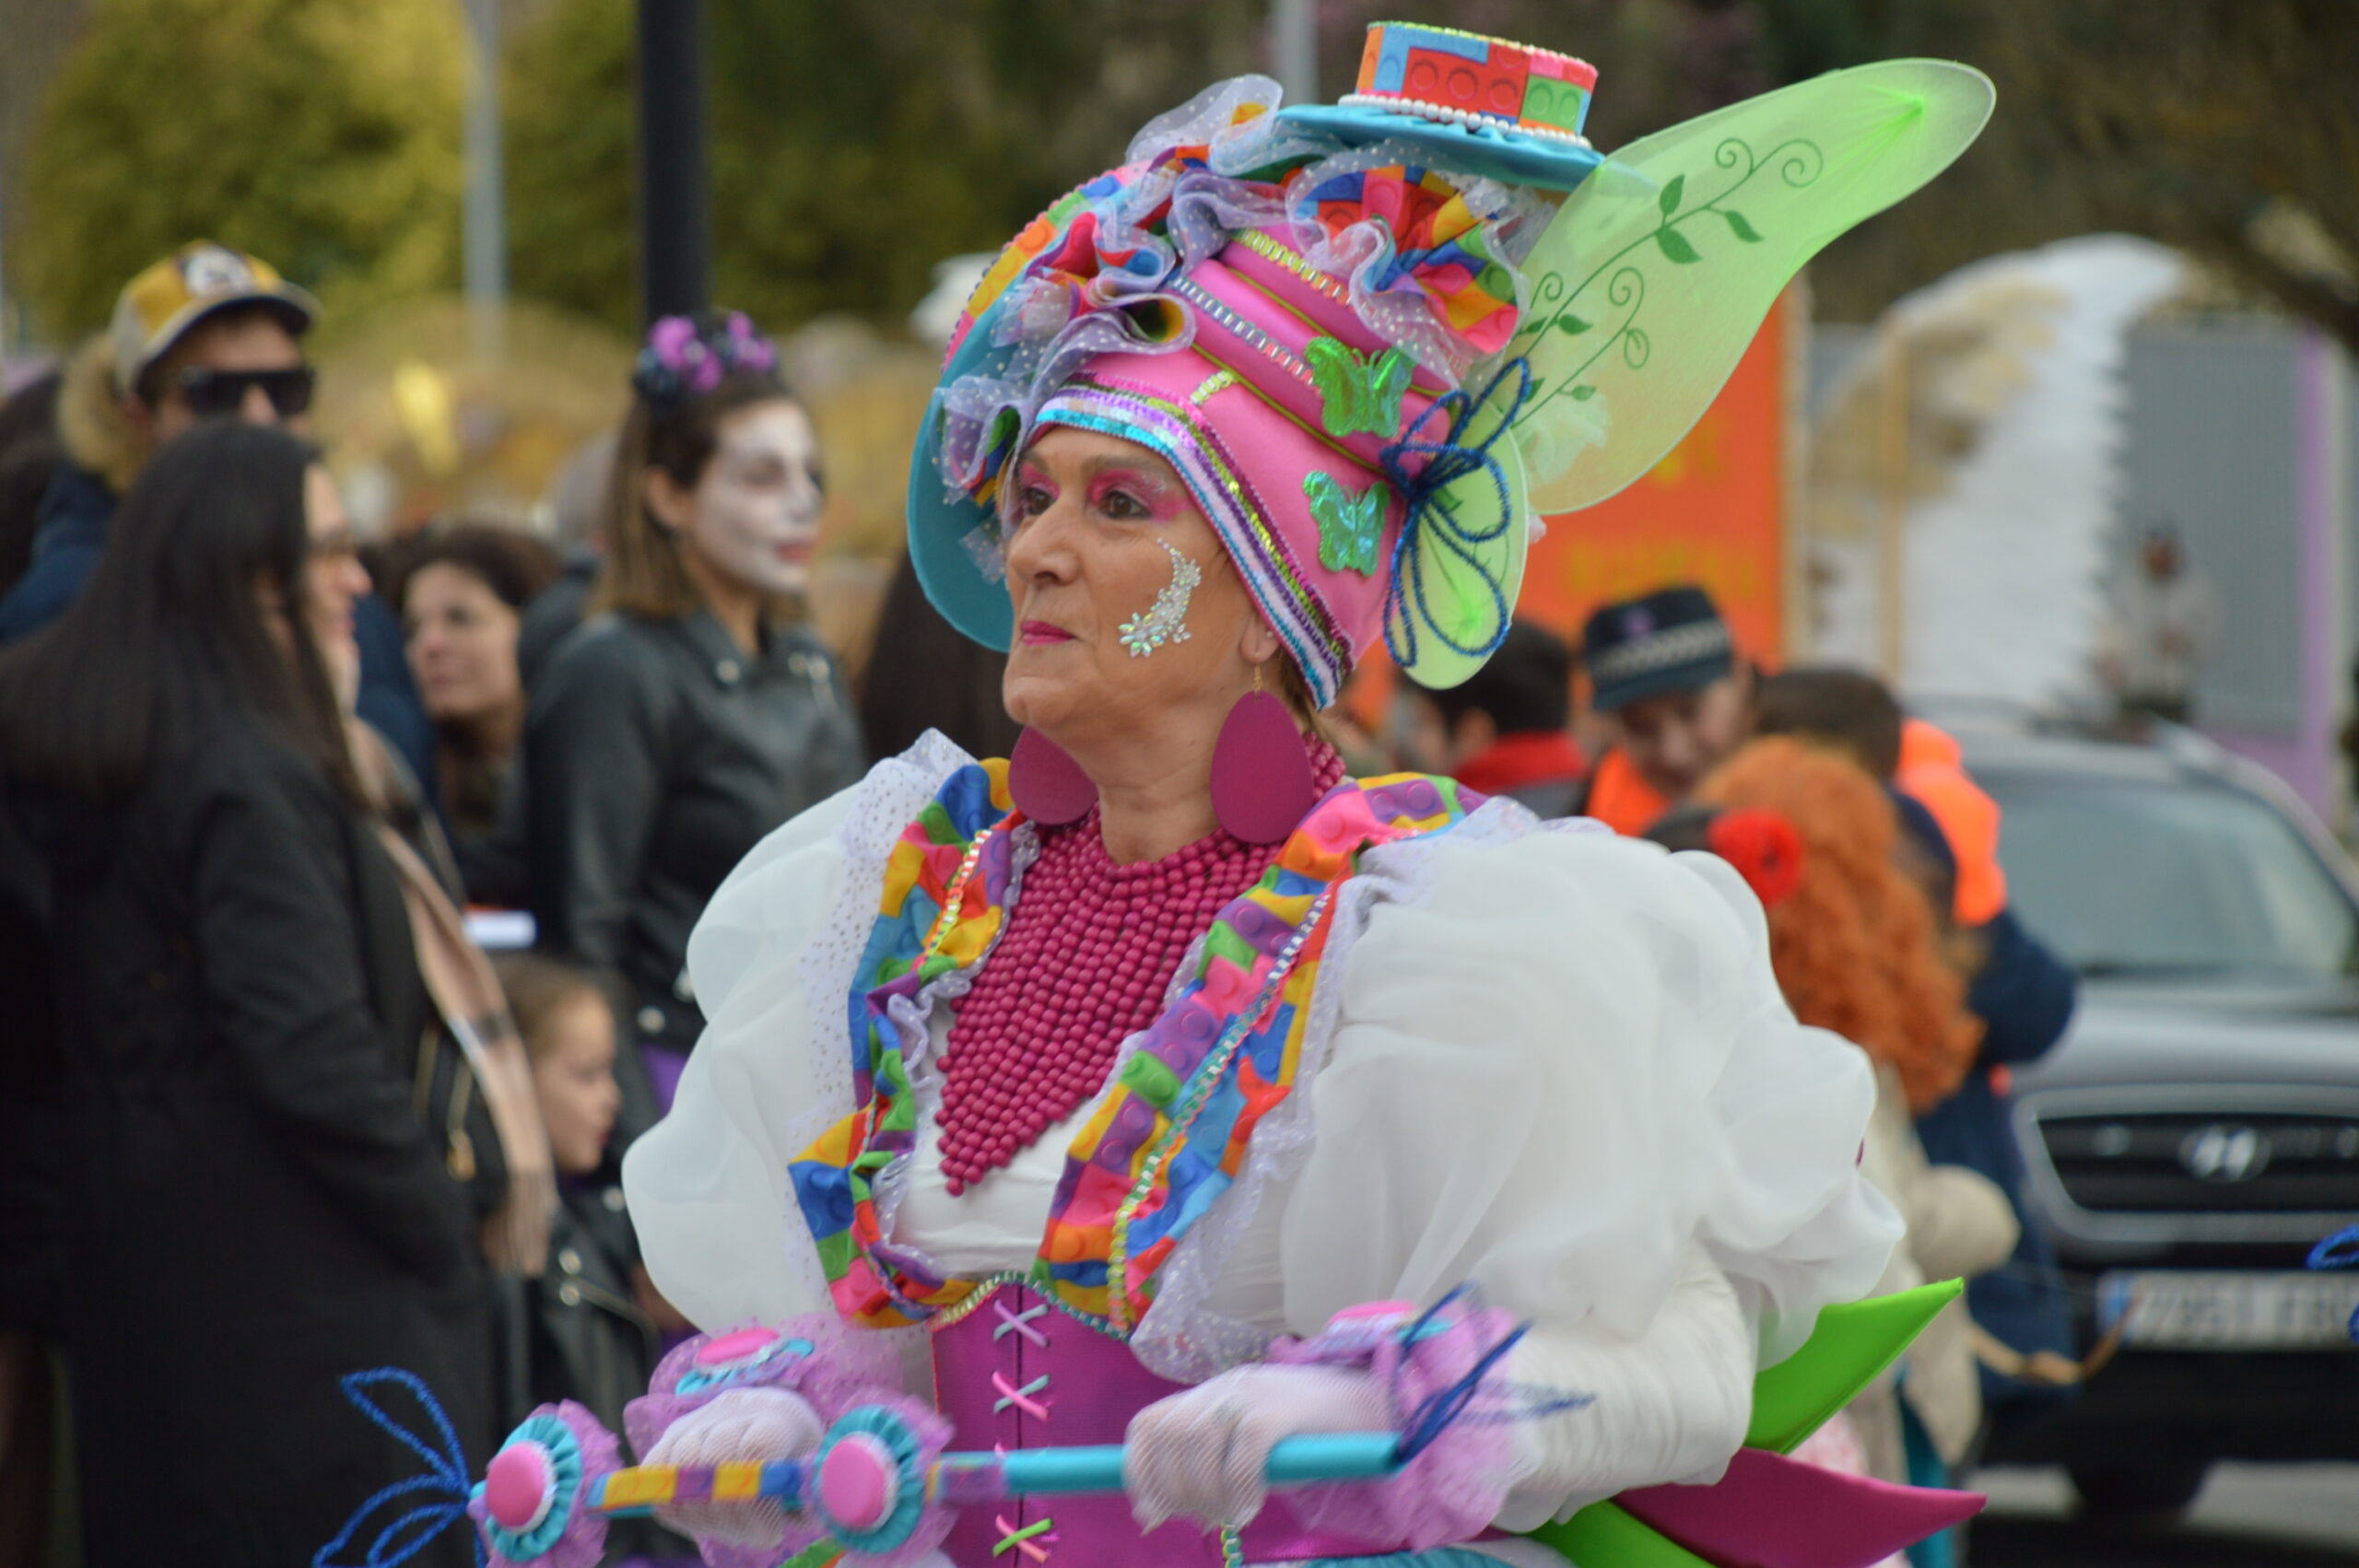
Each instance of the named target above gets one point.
<point>688,356</point>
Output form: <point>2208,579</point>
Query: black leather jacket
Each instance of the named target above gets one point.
<point>588,1340</point>
<point>656,754</point>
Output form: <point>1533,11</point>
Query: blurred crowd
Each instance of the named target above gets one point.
<point>276,1115</point>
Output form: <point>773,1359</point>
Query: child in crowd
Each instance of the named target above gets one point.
<point>595,1323</point>
<point>593,1336</point>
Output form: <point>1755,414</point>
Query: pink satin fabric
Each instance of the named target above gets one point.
<point>1015,1373</point>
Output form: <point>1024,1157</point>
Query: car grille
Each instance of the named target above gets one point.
<point>2205,1164</point>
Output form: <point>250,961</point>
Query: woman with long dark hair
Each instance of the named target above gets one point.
<point>247,1205</point>
<point>691,714</point>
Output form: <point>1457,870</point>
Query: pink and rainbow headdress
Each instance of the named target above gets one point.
<point>1375,339</point>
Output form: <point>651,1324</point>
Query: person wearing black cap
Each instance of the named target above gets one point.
<point>1503,730</point>
<point>1675,697</point>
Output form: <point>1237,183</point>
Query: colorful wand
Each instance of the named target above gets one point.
<point>869,1482</point>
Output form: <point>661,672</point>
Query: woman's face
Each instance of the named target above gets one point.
<point>1103,544</point>
<point>575,1074</point>
<point>334,581</point>
<point>754,516</point>
<point>461,644</point>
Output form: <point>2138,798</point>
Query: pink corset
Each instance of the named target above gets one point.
<point>1015,1373</point>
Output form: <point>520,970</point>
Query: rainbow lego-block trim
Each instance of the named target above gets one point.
<point>1171,1137</point>
<point>1465,77</point>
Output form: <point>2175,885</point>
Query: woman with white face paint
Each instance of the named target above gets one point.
<point>691,715</point>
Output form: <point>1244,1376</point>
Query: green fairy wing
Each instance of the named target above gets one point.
<point>1653,277</point>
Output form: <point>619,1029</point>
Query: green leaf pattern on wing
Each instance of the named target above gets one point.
<point>1798,161</point>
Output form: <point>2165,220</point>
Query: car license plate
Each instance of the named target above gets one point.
<point>2199,1310</point>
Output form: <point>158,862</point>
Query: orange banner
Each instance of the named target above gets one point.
<point>1712,512</point>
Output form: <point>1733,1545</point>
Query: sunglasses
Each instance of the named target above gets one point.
<point>217,394</point>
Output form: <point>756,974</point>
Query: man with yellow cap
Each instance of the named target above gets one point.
<point>207,332</point>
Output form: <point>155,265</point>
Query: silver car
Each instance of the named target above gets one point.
<point>2198,1130</point>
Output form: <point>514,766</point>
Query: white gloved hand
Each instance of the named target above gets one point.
<point>756,1424</point>
<point>1204,1455</point>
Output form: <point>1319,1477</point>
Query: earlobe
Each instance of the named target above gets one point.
<point>1258,644</point>
<point>666,502</point>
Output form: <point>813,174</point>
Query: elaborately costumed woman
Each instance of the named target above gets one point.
<point>1166,1083</point>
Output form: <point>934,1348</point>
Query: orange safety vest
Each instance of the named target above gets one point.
<point>1932,770</point>
<point>1620,799</point>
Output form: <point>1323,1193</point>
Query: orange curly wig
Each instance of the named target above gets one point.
<point>1854,942</point>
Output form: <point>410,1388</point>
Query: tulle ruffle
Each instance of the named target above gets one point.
<point>1428,259</point>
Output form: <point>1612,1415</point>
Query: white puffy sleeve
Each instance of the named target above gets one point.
<point>773,962</point>
<point>1565,1075</point>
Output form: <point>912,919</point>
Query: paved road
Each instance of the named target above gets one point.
<point>2250,1516</point>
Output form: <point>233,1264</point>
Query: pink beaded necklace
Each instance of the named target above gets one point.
<point>1083,965</point>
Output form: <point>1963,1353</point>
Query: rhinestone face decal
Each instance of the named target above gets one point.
<point>1165,619</point>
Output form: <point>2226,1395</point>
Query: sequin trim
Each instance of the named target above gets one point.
<point>1217,382</point>
<point>1200,1083</point>
<point>1269,250</point>
<point>948,920</point>
<point>1170,1104</point>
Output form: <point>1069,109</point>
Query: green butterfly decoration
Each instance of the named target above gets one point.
<point>1349,525</point>
<point>1356,392</point>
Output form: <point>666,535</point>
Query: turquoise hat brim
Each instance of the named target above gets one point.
<point>944,523</point>
<point>1496,151</point>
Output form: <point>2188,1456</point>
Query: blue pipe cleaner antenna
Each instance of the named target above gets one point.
<point>2339,1250</point>
<point>1434,1414</point>
<point>1431,524</point>
<point>406,1517</point>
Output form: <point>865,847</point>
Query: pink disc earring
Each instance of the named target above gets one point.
<point>1262,784</point>
<point>1047,785</point>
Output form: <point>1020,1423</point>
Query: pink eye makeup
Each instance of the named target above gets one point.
<point>1032,493</point>
<point>1133,495</point>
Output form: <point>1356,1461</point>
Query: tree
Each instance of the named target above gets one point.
<point>855,146</point>
<point>321,136</point>
<point>2228,128</point>
<point>852,147</point>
